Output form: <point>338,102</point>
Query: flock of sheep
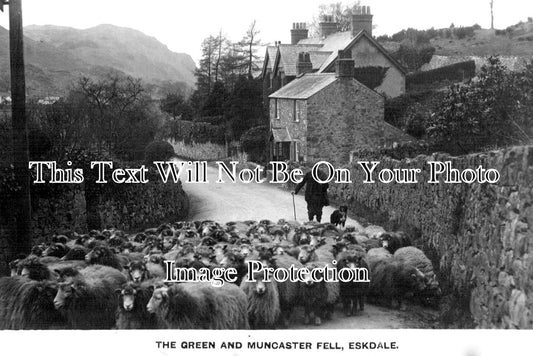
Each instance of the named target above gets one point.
<point>109,279</point>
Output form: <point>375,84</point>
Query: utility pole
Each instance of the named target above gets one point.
<point>21,243</point>
<point>492,14</point>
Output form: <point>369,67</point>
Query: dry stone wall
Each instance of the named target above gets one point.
<point>126,207</point>
<point>479,236</point>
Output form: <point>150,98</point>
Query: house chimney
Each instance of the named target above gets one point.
<point>304,64</point>
<point>299,32</point>
<point>362,20</point>
<point>327,26</point>
<point>344,67</point>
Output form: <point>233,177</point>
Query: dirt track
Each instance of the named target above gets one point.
<point>225,202</point>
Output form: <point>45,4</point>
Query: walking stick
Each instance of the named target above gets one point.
<point>293,206</point>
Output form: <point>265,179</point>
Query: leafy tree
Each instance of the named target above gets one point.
<point>244,106</point>
<point>342,14</point>
<point>177,106</point>
<point>413,56</point>
<point>494,109</point>
<point>216,101</point>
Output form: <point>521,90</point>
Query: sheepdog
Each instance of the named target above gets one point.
<point>338,217</point>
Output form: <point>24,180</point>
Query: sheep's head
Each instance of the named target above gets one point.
<point>128,296</point>
<point>137,271</point>
<point>260,285</point>
<point>64,291</point>
<point>54,250</point>
<point>96,254</point>
<point>159,297</point>
<point>306,252</point>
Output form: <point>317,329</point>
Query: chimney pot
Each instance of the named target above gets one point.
<point>344,67</point>
<point>299,32</point>
<point>362,20</point>
<point>328,26</point>
<point>304,64</point>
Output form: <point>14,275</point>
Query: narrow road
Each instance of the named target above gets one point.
<point>239,201</point>
<point>223,202</point>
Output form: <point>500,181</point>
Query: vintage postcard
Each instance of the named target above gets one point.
<point>316,176</point>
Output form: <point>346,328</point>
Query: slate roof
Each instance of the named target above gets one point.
<point>341,40</point>
<point>270,58</point>
<point>305,87</point>
<point>289,57</point>
<point>281,134</point>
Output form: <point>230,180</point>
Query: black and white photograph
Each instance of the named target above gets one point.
<point>318,176</point>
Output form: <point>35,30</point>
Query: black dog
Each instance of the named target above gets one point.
<point>338,217</point>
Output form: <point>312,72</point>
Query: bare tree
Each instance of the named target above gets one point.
<point>249,45</point>
<point>342,14</point>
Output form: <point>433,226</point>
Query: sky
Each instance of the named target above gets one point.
<point>182,25</point>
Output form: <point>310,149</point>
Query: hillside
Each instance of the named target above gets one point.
<point>56,56</point>
<point>514,44</point>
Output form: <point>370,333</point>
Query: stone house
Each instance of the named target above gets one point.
<point>325,116</point>
<point>374,66</point>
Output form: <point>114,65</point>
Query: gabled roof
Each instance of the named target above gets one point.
<point>288,57</point>
<point>331,60</point>
<point>270,58</point>
<point>305,87</point>
<point>332,43</point>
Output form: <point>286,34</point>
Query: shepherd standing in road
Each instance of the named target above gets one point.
<point>316,194</point>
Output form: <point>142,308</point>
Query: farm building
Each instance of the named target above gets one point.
<point>325,116</point>
<point>374,66</point>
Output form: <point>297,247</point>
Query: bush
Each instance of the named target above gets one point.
<point>464,32</point>
<point>255,143</point>
<point>495,109</point>
<point>414,56</point>
<point>158,151</point>
<point>453,72</point>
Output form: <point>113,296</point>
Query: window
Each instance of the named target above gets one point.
<point>296,112</point>
<point>277,109</point>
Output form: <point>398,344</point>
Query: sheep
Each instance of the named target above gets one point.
<point>375,255</point>
<point>56,249</point>
<point>87,298</point>
<point>352,293</point>
<point>76,253</point>
<point>263,301</point>
<point>288,290</point>
<point>34,269</point>
<point>28,305</point>
<point>413,256</point>
<point>235,260</point>
<point>132,313</point>
<point>392,241</point>
<point>393,281</point>
<point>137,272</point>
<point>195,305</point>
<point>318,297</point>
<point>102,255</point>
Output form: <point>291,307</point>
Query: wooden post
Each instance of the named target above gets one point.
<point>22,242</point>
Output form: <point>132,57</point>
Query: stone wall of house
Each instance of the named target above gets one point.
<point>342,116</point>
<point>366,54</point>
<point>127,207</point>
<point>285,118</point>
<point>479,236</point>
